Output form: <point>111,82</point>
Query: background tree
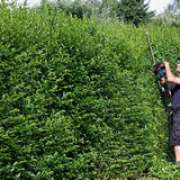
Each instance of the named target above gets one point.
<point>176,7</point>
<point>91,8</point>
<point>108,9</point>
<point>77,9</point>
<point>2,3</point>
<point>135,11</point>
<point>171,16</point>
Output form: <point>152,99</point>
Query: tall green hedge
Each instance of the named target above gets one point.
<point>78,99</point>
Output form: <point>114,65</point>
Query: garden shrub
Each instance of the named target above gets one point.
<point>78,98</point>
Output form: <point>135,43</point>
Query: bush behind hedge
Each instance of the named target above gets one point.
<point>78,98</point>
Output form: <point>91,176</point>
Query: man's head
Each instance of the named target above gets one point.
<point>159,70</point>
<point>178,65</point>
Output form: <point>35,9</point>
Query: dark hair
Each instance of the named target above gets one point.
<point>158,67</point>
<point>159,71</point>
<point>178,58</point>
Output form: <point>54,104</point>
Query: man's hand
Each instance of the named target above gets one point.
<point>162,80</point>
<point>170,77</point>
<point>167,66</point>
<point>166,63</point>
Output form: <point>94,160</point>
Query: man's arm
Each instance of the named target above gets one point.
<point>170,77</point>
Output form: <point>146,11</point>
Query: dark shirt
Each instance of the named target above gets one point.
<point>175,94</point>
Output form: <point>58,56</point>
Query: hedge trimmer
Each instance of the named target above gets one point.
<point>160,74</point>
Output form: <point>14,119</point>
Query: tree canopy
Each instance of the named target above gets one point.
<point>135,11</point>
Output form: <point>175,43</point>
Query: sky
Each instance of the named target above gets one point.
<point>157,5</point>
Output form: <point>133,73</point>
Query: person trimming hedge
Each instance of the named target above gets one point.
<point>174,90</point>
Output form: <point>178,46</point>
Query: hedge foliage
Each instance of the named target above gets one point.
<point>78,99</point>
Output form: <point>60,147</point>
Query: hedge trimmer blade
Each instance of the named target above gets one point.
<point>151,48</point>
